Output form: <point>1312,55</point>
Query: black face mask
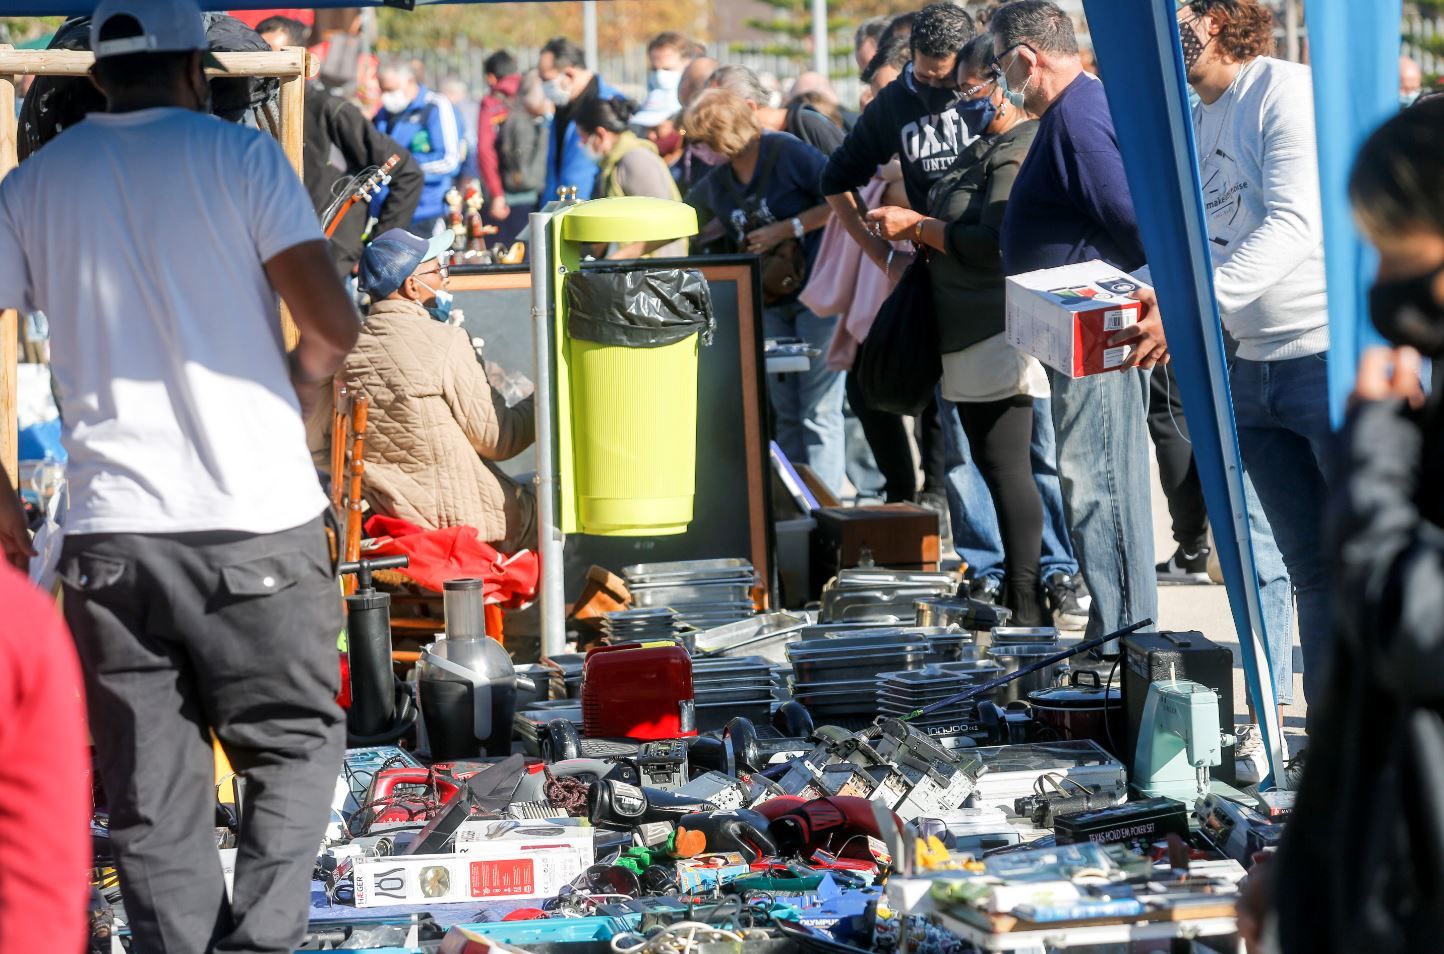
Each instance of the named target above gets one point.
<point>1407,313</point>
<point>937,99</point>
<point>1192,45</point>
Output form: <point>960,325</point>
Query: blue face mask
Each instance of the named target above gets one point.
<point>440,309</point>
<point>977,115</point>
<point>1014,97</point>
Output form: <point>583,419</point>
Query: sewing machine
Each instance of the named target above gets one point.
<point>1179,742</point>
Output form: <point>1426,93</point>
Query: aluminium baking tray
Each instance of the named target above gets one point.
<point>688,571</point>
<point>678,595</point>
<point>879,577</point>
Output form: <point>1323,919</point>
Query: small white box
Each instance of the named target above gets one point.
<point>1065,316</point>
<point>500,873</point>
<point>488,835</point>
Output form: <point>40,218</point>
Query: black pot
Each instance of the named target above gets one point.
<point>1084,708</point>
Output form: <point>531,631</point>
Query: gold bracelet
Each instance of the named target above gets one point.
<point>918,232</point>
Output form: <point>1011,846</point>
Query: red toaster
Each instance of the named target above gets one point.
<point>639,691</point>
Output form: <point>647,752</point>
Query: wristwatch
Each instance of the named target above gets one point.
<point>797,230</point>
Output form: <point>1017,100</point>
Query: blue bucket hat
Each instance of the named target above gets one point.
<point>392,256</point>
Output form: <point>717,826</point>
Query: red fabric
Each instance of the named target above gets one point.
<point>453,553</point>
<point>494,110</point>
<point>44,776</point>
<point>251,17</point>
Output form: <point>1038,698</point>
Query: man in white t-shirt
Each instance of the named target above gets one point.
<point>1258,159</point>
<point>199,585</point>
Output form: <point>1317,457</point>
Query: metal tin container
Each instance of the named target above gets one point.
<point>1014,657</point>
<point>1082,708</point>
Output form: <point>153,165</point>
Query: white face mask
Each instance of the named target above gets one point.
<point>664,79</point>
<point>395,101</point>
<point>553,90</point>
<point>591,148</point>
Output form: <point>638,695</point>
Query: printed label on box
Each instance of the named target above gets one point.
<point>1114,357</point>
<point>506,878</point>
<point>1113,320</point>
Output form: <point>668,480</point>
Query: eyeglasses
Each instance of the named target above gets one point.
<point>443,270</point>
<point>997,63</point>
<point>973,92</point>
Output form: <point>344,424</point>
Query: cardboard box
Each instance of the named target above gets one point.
<point>1065,316</point>
<point>901,536</point>
<point>487,836</point>
<point>706,873</point>
<point>492,873</point>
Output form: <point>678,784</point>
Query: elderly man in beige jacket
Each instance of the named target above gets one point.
<point>437,427</point>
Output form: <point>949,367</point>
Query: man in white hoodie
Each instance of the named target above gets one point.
<point>1254,127</point>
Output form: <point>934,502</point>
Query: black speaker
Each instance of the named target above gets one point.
<point>1158,657</point>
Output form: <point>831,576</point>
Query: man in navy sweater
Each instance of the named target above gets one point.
<point>1071,204</point>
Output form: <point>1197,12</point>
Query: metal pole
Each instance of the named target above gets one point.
<point>589,33</point>
<point>549,535</point>
<point>821,54</point>
<point>1291,30</point>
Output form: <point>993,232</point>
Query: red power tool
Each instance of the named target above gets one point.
<point>842,825</point>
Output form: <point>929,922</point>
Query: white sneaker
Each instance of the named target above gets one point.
<point>1249,761</point>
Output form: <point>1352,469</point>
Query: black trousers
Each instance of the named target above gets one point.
<point>999,433</point>
<point>181,635</point>
<point>1176,468</point>
<point>887,435</point>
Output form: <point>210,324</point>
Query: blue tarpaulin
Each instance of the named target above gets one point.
<point>1136,42</point>
<point>1355,51</point>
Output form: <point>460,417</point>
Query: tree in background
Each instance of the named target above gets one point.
<point>791,26</point>
<point>620,24</point>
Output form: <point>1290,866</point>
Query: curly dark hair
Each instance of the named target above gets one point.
<point>941,29</point>
<point>1245,27</point>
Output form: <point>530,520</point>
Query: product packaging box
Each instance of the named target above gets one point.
<point>487,836</point>
<point>496,873</point>
<point>706,873</point>
<point>1065,316</point>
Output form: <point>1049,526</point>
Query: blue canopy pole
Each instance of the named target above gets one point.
<point>1136,42</point>
<point>1354,49</point>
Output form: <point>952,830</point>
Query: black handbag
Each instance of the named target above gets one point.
<point>782,268</point>
<point>898,364</point>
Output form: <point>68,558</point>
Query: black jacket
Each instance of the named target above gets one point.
<point>918,124</point>
<point>1362,865</point>
<point>971,198</point>
<point>338,143</point>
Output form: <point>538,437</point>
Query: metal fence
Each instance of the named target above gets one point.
<point>1418,27</point>
<point>628,70</point>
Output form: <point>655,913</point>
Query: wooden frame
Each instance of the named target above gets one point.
<point>292,66</point>
<point>515,278</point>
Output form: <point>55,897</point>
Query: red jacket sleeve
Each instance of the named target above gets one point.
<point>493,114</point>
<point>44,776</point>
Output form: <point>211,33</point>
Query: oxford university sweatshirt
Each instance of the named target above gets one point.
<point>1260,175</point>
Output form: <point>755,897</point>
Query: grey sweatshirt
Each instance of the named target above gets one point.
<point>1260,174</point>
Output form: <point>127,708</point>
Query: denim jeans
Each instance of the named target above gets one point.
<point>808,404</point>
<point>970,504</point>
<point>1282,410</point>
<point>1101,423</point>
<point>1276,596</point>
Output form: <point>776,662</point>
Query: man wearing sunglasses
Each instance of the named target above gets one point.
<point>437,428</point>
<point>1071,204</point>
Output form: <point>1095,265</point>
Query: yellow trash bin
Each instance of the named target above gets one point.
<point>632,340</point>
<point>627,417</point>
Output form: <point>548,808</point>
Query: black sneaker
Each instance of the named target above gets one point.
<point>1184,567</point>
<point>1069,599</point>
<point>989,589</point>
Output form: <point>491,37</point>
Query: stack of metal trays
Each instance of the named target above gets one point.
<point>702,593</point>
<point>657,622</point>
<point>763,634</point>
<point>565,675</point>
<point>528,724</point>
<point>946,644</point>
<point>899,693</point>
<point>729,686</point>
<point>881,595</point>
<point>837,675</point>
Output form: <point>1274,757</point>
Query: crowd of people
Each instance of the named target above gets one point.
<point>195,556</point>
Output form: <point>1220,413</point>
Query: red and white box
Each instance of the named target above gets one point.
<point>1065,316</point>
<point>496,875</point>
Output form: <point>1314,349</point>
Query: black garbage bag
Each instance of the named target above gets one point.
<point>639,307</point>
